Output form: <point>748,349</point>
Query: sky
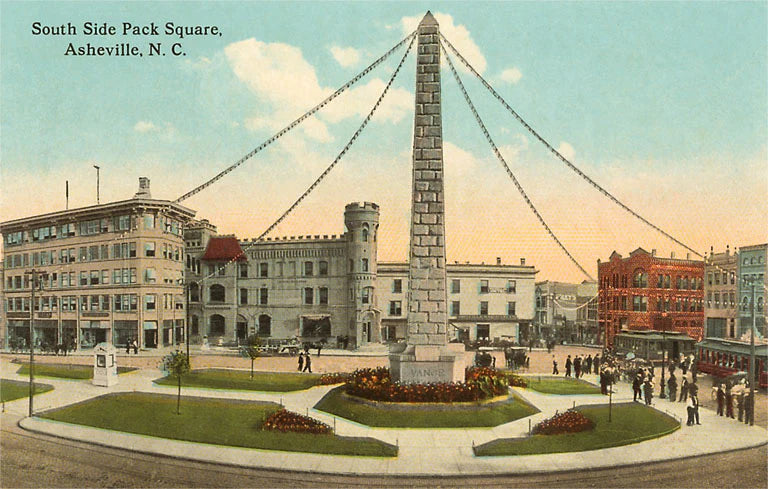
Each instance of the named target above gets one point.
<point>664,104</point>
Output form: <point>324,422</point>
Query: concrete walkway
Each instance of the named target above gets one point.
<point>422,451</point>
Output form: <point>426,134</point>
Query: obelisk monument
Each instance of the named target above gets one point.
<point>427,356</point>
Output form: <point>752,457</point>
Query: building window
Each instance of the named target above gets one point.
<point>149,221</point>
<point>149,302</point>
<point>640,303</point>
<point>150,277</point>
<point>323,295</point>
<point>308,271</point>
<point>483,308</point>
<point>364,265</point>
<point>395,308</point>
<point>243,296</point>
<point>364,234</point>
<point>243,270</point>
<point>322,268</point>
<point>122,223</point>
<point>483,286</point>
<point>217,293</point>
<point>149,248</point>
<point>366,295</point>
<point>95,275</point>
<point>264,270</point>
<point>483,332</point>
<point>194,292</point>
<point>83,278</point>
<point>309,295</point>
<point>265,325</point>
<point>217,325</point>
<point>510,308</point>
<point>397,286</point>
<point>263,296</point>
<point>455,308</point>
<point>640,279</point>
<point>511,286</point>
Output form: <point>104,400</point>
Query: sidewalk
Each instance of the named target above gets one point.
<point>422,451</point>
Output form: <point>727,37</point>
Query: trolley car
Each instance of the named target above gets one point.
<point>723,358</point>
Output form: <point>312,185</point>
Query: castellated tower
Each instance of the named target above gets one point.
<point>362,224</point>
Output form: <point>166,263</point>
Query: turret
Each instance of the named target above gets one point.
<point>361,221</point>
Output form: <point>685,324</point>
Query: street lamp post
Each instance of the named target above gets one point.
<point>752,359</point>
<point>662,395</point>
<point>34,278</point>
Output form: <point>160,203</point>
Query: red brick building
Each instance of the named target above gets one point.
<point>644,292</point>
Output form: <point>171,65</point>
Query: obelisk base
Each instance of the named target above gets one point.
<point>427,364</point>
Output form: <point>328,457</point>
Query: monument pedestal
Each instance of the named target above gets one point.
<point>425,364</point>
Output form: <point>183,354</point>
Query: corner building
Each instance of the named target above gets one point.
<point>110,273</point>
<point>646,292</point>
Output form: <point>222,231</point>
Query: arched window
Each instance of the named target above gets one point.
<point>265,325</point>
<point>217,293</point>
<point>194,293</point>
<point>640,279</point>
<point>217,325</point>
<point>365,233</point>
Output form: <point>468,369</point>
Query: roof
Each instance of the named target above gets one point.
<point>732,346</point>
<point>224,248</point>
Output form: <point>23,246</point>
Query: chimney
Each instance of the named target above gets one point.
<point>727,250</point>
<point>687,256</point>
<point>498,260</point>
<point>143,192</point>
<point>653,252</point>
<point>522,261</point>
<point>672,254</point>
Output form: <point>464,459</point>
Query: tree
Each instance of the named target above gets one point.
<point>177,364</point>
<point>252,349</point>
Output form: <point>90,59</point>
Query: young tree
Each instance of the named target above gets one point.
<point>252,349</point>
<point>177,364</point>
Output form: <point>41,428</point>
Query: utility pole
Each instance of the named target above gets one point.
<point>98,183</point>
<point>662,395</point>
<point>34,283</point>
<point>752,359</point>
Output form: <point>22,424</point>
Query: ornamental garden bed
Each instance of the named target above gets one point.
<point>561,385</point>
<point>241,380</point>
<point>248,424</point>
<point>493,412</point>
<point>65,371</point>
<point>630,423</point>
<point>10,390</point>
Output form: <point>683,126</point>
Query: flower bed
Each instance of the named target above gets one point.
<point>334,378</point>
<point>516,381</point>
<point>376,384</point>
<point>286,421</point>
<point>570,421</point>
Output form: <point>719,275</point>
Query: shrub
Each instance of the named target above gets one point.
<point>570,421</point>
<point>516,381</point>
<point>376,384</point>
<point>285,421</point>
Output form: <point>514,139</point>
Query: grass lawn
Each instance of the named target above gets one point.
<point>10,390</point>
<point>65,371</point>
<point>241,380</point>
<point>424,415</point>
<point>561,385</point>
<point>213,421</point>
<point>631,423</point>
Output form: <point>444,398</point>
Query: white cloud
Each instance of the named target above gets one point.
<point>566,150</point>
<point>458,35</point>
<point>346,57</point>
<point>511,75</point>
<point>144,126</point>
<point>287,85</point>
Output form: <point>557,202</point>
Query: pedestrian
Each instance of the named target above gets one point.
<point>695,399</point>
<point>740,405</point>
<point>568,365</point>
<point>636,383</point>
<point>307,363</point>
<point>301,361</point>
<point>749,409</point>
<point>720,399</point>
<point>672,386</point>
<point>588,366</point>
<point>577,366</point>
<point>128,347</point>
<point>319,347</point>
<point>693,390</point>
<point>527,362</point>
<point>135,347</point>
<point>729,401</point>
<point>691,407</point>
<point>603,381</point>
<point>684,366</point>
<point>683,390</point>
<point>648,388</point>
<point>596,363</point>
<point>555,371</point>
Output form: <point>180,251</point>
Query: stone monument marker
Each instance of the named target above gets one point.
<point>427,356</point>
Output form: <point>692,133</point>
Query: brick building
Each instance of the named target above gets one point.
<point>644,292</point>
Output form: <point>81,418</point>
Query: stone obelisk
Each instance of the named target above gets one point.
<point>427,356</point>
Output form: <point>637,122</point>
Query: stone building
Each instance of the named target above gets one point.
<point>313,287</point>
<point>644,292</point>
<point>110,273</point>
<point>752,270</point>
<point>485,302</point>
<point>566,312</point>
<point>721,294</point>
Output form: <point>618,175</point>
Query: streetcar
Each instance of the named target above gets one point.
<point>723,358</point>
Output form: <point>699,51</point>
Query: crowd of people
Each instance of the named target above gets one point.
<point>579,366</point>
<point>727,395</point>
